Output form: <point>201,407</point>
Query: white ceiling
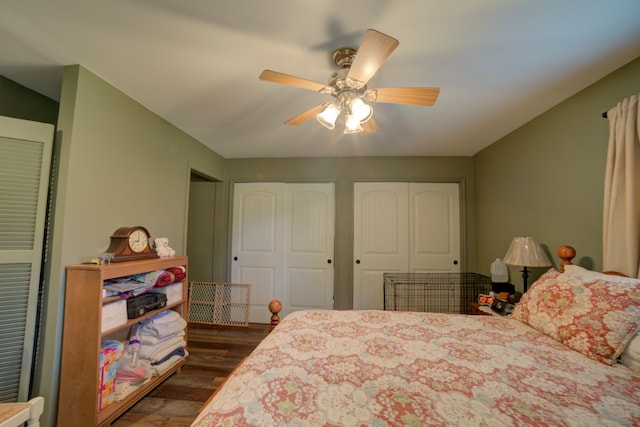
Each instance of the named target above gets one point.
<point>499,63</point>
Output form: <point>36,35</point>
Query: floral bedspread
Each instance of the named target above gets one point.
<point>381,368</point>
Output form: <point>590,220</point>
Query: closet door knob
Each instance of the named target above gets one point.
<point>455,262</point>
<point>328,261</point>
<point>357,261</point>
<point>235,258</point>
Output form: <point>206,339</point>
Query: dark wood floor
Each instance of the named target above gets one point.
<point>213,353</point>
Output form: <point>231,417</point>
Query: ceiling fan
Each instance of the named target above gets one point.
<point>348,86</point>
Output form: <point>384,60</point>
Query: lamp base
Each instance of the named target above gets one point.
<point>525,276</point>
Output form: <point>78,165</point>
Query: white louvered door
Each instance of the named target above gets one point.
<point>25,150</point>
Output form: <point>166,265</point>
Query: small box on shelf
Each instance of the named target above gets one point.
<point>173,292</point>
<point>114,314</point>
<point>108,370</point>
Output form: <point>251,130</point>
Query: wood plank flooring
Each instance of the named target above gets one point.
<point>213,353</point>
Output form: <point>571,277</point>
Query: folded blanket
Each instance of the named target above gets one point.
<point>154,278</point>
<point>162,353</point>
<point>163,330</point>
<point>152,340</point>
<point>166,365</point>
<point>141,289</point>
<point>181,351</point>
<point>175,274</point>
<point>149,351</point>
<point>165,316</point>
<point>123,389</point>
<point>179,272</point>
<point>151,279</point>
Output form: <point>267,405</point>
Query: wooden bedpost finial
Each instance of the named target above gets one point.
<point>566,253</point>
<point>274,307</point>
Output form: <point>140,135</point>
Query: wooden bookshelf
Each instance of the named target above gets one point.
<point>82,337</point>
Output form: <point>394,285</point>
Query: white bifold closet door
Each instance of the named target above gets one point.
<point>282,244</point>
<point>25,150</point>
<point>402,227</point>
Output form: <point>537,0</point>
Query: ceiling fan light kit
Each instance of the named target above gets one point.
<point>357,112</point>
<point>348,87</point>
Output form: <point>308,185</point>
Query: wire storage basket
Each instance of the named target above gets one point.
<point>433,292</point>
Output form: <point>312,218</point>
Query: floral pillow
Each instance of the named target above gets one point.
<point>596,316</point>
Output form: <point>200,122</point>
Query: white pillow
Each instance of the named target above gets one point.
<point>583,273</point>
<point>631,355</point>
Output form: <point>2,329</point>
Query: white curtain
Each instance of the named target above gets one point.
<point>621,231</point>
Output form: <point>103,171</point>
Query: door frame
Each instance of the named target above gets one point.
<point>194,260</point>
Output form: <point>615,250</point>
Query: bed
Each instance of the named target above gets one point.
<point>566,356</point>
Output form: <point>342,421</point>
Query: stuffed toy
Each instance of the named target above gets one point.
<point>162,247</point>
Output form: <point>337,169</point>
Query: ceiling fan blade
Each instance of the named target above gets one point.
<point>374,50</point>
<point>286,79</point>
<point>370,126</point>
<point>406,95</point>
<point>305,115</point>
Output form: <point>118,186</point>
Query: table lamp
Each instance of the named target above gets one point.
<point>526,252</point>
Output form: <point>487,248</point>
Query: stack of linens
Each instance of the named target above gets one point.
<point>162,340</point>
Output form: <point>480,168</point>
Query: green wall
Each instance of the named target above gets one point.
<point>21,103</point>
<point>200,233</point>
<point>546,179</point>
<point>119,165</point>
<point>344,172</point>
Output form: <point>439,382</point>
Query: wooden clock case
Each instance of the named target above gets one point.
<point>121,249</point>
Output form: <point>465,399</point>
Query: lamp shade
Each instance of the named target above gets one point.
<point>526,252</point>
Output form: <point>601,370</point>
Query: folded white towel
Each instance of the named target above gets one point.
<point>150,352</point>
<point>123,389</point>
<point>165,316</point>
<point>164,352</point>
<point>163,330</point>
<point>152,340</point>
<point>166,365</point>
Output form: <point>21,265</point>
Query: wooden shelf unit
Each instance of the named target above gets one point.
<point>82,337</point>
